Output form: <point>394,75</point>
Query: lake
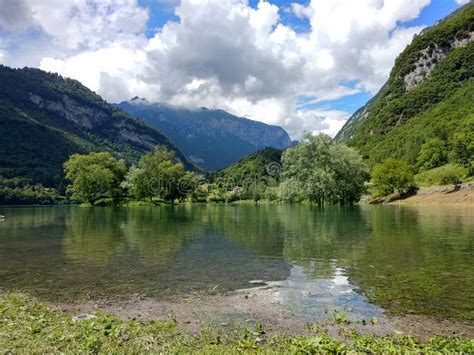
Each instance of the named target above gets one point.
<point>372,259</point>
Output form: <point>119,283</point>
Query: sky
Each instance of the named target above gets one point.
<point>303,65</point>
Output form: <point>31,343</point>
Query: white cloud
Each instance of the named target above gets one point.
<point>301,11</point>
<point>462,2</point>
<point>222,54</point>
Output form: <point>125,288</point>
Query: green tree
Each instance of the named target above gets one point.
<point>433,153</point>
<point>94,176</point>
<point>392,175</point>
<point>290,190</point>
<point>327,172</point>
<point>157,176</point>
<point>463,149</point>
<point>351,173</point>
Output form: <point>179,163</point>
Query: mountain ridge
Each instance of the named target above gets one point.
<point>212,138</point>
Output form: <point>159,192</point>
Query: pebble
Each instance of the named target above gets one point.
<point>83,317</point>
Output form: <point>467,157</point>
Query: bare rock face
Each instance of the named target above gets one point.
<point>129,135</point>
<point>84,116</point>
<point>91,118</point>
<point>429,59</point>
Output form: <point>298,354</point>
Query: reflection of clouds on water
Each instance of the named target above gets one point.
<point>317,298</point>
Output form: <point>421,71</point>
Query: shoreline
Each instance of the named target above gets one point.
<point>248,307</point>
<point>440,196</point>
<point>29,326</point>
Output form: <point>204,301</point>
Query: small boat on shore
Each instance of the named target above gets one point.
<point>2,217</point>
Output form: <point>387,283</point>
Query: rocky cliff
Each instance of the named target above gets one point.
<point>430,93</point>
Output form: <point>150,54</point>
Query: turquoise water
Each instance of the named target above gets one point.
<point>372,259</point>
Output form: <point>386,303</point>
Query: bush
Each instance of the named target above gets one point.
<point>392,176</point>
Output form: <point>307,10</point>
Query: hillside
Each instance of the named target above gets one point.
<point>211,138</point>
<point>429,94</point>
<point>258,165</point>
<point>44,118</point>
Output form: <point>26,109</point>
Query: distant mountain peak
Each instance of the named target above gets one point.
<point>138,99</point>
<point>212,138</point>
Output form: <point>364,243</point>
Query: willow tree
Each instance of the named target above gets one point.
<point>327,172</point>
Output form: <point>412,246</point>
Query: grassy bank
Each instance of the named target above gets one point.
<point>27,326</point>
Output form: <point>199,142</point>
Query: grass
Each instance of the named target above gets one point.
<point>443,175</point>
<point>27,326</point>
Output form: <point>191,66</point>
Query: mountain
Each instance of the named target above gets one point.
<point>429,94</point>
<point>211,138</point>
<point>44,118</point>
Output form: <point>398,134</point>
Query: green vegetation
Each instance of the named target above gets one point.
<point>95,177</point>
<point>444,175</point>
<point>392,176</point>
<point>317,170</point>
<point>463,149</point>
<point>27,326</point>
<point>423,116</point>
<point>325,171</point>
<point>158,176</point>
<point>416,123</point>
<point>432,154</point>
<point>250,178</point>
<point>22,191</point>
<point>45,118</point>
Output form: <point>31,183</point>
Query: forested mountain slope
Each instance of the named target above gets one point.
<point>262,164</point>
<point>430,94</point>
<point>211,138</point>
<point>44,118</point>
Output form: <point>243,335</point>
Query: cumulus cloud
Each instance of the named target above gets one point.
<point>301,11</point>
<point>221,54</point>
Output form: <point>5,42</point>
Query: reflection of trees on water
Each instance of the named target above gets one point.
<point>404,259</point>
<point>30,247</point>
<point>416,260</point>
<point>307,236</point>
<point>419,260</point>
<point>158,234</point>
<point>94,234</point>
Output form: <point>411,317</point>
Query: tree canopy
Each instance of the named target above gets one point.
<point>94,177</point>
<point>326,171</point>
<point>158,176</point>
<point>392,176</point>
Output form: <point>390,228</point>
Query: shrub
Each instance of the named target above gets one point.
<point>392,175</point>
